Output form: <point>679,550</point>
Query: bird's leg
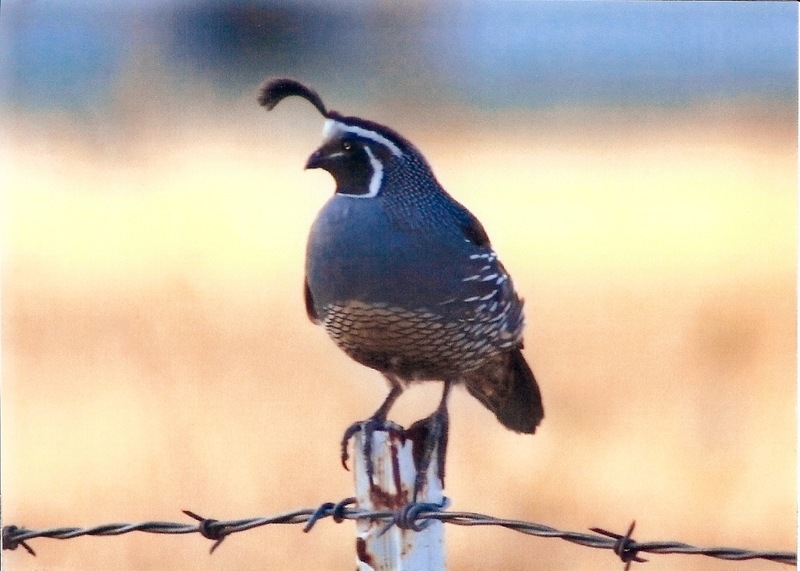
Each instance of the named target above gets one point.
<point>430,435</point>
<point>377,420</point>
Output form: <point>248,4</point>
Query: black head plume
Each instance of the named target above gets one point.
<point>276,90</point>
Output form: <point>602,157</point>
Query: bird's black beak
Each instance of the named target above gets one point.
<point>317,159</point>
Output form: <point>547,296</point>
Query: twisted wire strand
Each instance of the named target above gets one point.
<point>622,545</point>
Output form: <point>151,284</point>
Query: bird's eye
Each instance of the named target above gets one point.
<point>347,146</point>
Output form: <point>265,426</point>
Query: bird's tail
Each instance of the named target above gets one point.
<point>507,387</point>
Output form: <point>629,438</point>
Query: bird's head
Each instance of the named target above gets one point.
<point>355,151</point>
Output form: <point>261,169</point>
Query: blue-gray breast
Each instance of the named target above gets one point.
<point>403,277</point>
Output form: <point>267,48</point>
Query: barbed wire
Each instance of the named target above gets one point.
<point>415,516</point>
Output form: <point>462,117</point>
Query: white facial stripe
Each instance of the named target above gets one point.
<point>377,174</point>
<point>332,126</point>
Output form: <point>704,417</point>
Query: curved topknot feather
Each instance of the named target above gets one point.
<point>276,90</point>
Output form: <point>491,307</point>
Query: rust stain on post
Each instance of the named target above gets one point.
<point>378,546</point>
<point>361,552</point>
<point>381,497</point>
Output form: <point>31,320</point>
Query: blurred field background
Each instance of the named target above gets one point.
<point>634,164</point>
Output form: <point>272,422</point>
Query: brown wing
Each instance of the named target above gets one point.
<point>506,386</point>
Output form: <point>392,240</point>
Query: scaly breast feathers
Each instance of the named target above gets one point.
<point>417,344</point>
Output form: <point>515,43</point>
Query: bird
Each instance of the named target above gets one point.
<point>404,278</point>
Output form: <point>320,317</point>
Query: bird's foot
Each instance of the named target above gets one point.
<point>367,428</point>
<point>430,437</point>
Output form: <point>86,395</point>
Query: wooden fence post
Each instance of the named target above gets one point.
<point>391,488</point>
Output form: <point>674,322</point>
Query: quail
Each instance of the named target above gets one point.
<point>403,277</point>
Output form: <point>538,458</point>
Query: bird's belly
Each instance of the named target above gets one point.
<point>412,344</point>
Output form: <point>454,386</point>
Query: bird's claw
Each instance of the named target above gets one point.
<point>368,428</point>
<point>429,435</point>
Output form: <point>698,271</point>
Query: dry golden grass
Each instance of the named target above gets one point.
<point>156,355</point>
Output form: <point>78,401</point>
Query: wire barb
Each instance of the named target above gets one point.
<point>11,539</point>
<point>408,516</point>
<point>624,546</point>
<point>210,529</point>
<point>329,509</point>
<point>412,517</point>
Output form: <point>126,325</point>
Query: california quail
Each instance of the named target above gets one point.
<point>403,277</point>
